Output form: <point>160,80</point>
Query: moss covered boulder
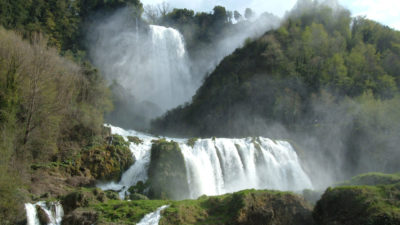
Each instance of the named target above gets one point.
<point>167,171</point>
<point>375,201</point>
<point>243,208</point>
<point>372,179</point>
<point>107,161</point>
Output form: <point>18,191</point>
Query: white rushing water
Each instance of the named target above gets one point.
<point>54,212</point>
<point>152,65</point>
<point>218,166</point>
<point>152,218</point>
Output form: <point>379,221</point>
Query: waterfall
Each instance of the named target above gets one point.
<point>169,70</point>
<point>54,212</point>
<point>138,171</point>
<point>151,63</point>
<point>152,218</point>
<point>220,165</point>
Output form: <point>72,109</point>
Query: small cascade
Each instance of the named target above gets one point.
<point>54,213</point>
<point>152,218</point>
<point>220,165</point>
<point>138,171</point>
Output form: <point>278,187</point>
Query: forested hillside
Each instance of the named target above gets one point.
<point>51,107</point>
<point>323,83</point>
<point>321,74</point>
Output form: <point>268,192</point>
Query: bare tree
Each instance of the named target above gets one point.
<point>151,13</point>
<point>164,8</point>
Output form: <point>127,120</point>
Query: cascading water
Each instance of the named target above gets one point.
<point>150,61</point>
<point>152,218</point>
<point>169,70</point>
<point>218,166</point>
<point>222,166</point>
<point>54,212</point>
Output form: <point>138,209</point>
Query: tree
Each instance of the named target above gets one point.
<point>249,14</point>
<point>220,14</point>
<point>237,16</point>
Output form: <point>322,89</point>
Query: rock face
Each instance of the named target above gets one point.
<point>372,205</point>
<point>107,161</point>
<point>243,208</point>
<point>81,217</point>
<point>43,218</point>
<point>167,172</point>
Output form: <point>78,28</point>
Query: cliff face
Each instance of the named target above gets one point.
<point>167,173</point>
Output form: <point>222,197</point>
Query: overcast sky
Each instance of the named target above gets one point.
<point>384,11</point>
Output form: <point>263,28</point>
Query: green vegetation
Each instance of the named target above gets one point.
<point>322,74</point>
<point>127,212</point>
<point>107,161</point>
<point>372,179</point>
<point>61,21</point>
<point>135,140</point>
<point>372,198</point>
<point>245,207</point>
<point>167,171</point>
<point>192,141</point>
<point>375,205</point>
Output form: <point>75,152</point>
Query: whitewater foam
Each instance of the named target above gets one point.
<point>220,165</point>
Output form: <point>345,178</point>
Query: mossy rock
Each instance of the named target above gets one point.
<point>83,198</point>
<point>81,217</point>
<point>167,171</point>
<point>349,205</point>
<point>107,161</point>
<point>245,208</point>
<point>43,217</point>
<point>135,140</point>
<point>139,188</point>
<point>192,141</point>
<point>125,212</point>
<point>372,179</point>
<point>137,196</point>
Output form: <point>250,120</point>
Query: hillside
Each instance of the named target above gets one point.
<point>322,74</point>
<point>314,101</point>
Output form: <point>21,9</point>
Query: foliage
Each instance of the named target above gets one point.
<point>322,74</point>
<point>50,107</point>
<point>372,179</point>
<point>192,141</point>
<point>107,161</point>
<point>373,205</point>
<point>245,207</point>
<point>125,212</point>
<point>61,21</point>
<point>135,140</point>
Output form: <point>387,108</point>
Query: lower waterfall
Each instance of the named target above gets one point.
<point>152,218</point>
<point>219,165</point>
<point>54,213</point>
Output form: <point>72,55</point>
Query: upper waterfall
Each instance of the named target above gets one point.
<point>220,165</point>
<point>169,72</point>
<point>148,61</point>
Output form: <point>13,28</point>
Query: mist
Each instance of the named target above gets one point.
<point>150,67</point>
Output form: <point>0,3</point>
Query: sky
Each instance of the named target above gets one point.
<point>383,11</point>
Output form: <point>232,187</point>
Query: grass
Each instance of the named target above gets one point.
<point>127,212</point>
<point>372,179</point>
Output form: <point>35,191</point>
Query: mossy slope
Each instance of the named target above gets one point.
<point>376,201</point>
<point>245,207</point>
